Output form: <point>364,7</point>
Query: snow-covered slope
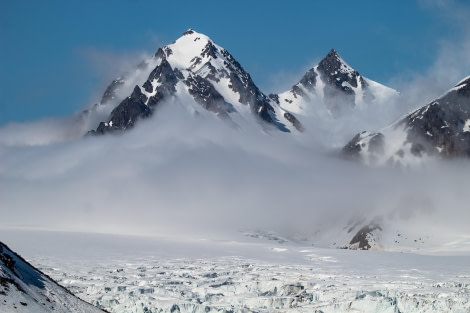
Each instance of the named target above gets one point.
<point>203,77</point>
<point>440,128</point>
<point>24,288</point>
<point>333,84</point>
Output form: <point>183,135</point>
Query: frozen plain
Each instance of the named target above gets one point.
<point>249,272</point>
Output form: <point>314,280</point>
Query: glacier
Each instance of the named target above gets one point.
<point>244,274</point>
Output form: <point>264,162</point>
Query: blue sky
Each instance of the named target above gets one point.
<point>57,57</point>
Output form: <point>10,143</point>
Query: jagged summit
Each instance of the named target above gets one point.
<point>203,77</point>
<point>333,62</point>
<point>338,73</point>
<point>191,50</point>
<point>440,128</point>
<point>195,67</point>
<point>333,84</point>
<point>188,32</point>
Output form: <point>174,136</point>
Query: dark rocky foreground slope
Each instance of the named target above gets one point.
<point>440,128</point>
<point>23,288</point>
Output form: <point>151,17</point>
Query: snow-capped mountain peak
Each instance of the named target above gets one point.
<point>339,74</point>
<point>333,85</point>
<point>191,50</point>
<point>334,64</point>
<point>203,77</point>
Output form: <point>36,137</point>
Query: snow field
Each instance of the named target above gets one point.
<point>238,285</point>
<point>256,275</point>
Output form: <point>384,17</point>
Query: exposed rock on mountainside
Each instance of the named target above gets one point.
<point>440,128</point>
<point>362,240</point>
<point>23,288</point>
<point>204,77</point>
<point>199,74</point>
<point>336,85</point>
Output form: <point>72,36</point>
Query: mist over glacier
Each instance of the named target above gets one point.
<point>181,174</point>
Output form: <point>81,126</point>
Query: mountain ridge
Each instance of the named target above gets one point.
<point>334,84</point>
<point>196,69</point>
<point>439,128</point>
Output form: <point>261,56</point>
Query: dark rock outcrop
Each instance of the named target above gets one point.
<point>336,73</point>
<point>440,128</point>
<point>23,285</point>
<point>207,96</point>
<point>294,121</point>
<point>126,113</point>
<point>333,83</point>
<point>362,238</point>
<point>340,78</point>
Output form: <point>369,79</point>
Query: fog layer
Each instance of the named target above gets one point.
<point>180,174</point>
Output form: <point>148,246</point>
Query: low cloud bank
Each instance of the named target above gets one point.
<point>180,174</point>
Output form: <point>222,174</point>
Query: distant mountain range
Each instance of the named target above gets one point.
<point>204,77</point>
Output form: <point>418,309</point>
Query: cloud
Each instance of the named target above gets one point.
<point>451,63</point>
<point>41,132</point>
<point>180,174</point>
<point>110,64</point>
<point>284,79</point>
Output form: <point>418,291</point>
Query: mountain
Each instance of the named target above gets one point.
<point>438,129</point>
<point>23,288</point>
<point>336,85</point>
<point>203,77</point>
<point>200,75</point>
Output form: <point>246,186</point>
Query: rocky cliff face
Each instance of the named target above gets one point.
<point>333,84</point>
<point>342,84</point>
<point>440,128</point>
<point>195,68</point>
<point>23,288</point>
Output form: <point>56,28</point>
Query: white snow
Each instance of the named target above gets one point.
<point>459,85</point>
<point>310,108</point>
<point>185,55</point>
<point>186,48</point>
<point>244,274</point>
<point>464,79</point>
<point>382,93</point>
<point>466,127</point>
